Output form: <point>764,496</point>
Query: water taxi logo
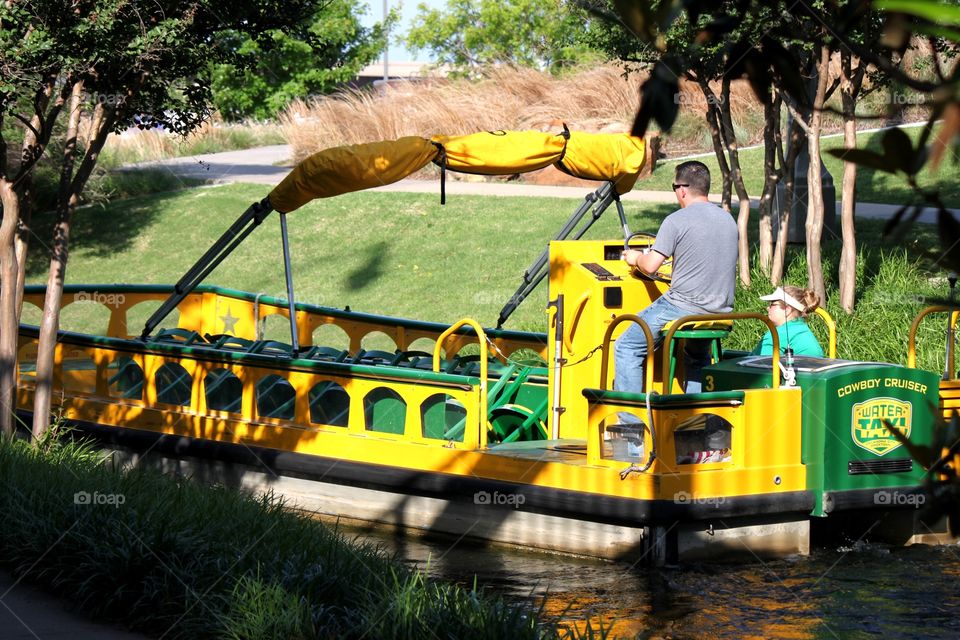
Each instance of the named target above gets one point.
<point>869,424</point>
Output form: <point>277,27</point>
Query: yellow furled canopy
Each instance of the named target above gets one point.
<point>331,172</point>
<point>603,156</point>
<point>497,153</point>
<point>339,170</point>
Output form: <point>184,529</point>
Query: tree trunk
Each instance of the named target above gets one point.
<point>815,204</point>
<point>22,240</point>
<point>713,121</point>
<point>736,175</point>
<point>8,302</point>
<point>771,178</point>
<point>50,322</point>
<point>849,89</point>
<point>796,138</point>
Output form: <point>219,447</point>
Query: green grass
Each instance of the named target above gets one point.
<point>405,255</point>
<point>872,186</point>
<point>176,559</point>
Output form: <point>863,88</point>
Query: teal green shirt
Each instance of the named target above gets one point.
<point>801,340</point>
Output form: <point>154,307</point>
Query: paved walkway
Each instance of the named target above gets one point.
<point>29,614</point>
<point>269,165</point>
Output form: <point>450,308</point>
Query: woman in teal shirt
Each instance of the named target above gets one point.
<point>786,308</point>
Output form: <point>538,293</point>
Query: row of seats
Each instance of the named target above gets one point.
<point>468,365</point>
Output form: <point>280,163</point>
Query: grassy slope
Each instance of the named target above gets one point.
<point>405,255</point>
<point>872,186</point>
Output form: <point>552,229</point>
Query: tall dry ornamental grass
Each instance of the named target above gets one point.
<point>598,99</point>
<point>595,99</point>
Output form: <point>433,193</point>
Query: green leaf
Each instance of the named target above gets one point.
<point>932,10</point>
<point>658,100</point>
<point>864,158</point>
<point>899,149</point>
<point>949,230</point>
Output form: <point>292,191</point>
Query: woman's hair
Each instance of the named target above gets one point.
<point>807,297</point>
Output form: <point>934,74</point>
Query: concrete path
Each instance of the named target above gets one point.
<point>269,165</point>
<point>29,614</point>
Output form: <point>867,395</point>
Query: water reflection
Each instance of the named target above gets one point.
<point>863,591</point>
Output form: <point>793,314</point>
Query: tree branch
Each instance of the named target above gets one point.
<point>27,124</point>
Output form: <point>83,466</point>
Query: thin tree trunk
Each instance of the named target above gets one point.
<point>49,324</point>
<point>736,175</point>
<point>713,121</point>
<point>27,150</point>
<point>8,300</point>
<point>849,89</point>
<point>796,138</point>
<point>771,178</point>
<point>815,204</point>
<point>22,240</point>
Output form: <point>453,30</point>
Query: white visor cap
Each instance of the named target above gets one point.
<point>782,296</point>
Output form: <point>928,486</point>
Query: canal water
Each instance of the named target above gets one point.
<point>856,591</point>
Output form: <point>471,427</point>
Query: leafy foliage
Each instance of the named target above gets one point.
<point>333,50</point>
<point>471,34</point>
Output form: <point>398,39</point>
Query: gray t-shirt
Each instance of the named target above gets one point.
<point>702,238</point>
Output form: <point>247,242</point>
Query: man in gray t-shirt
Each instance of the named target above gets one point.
<point>702,238</point>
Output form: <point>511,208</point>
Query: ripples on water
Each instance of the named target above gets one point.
<point>864,591</point>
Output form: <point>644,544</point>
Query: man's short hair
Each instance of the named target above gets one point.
<point>696,175</point>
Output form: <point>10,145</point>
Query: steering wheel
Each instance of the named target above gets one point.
<point>660,275</point>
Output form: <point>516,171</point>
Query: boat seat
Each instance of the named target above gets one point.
<point>374,357</point>
<point>183,336</point>
<point>174,390</point>
<point>268,399</point>
<point>713,330</point>
<point>128,373</point>
<point>327,353</point>
<point>227,341</point>
<point>220,379</point>
<point>413,358</point>
<point>270,348</point>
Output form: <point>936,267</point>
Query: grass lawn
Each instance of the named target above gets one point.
<point>405,255</point>
<point>872,186</point>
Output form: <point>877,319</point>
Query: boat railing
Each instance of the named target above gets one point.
<point>200,389</point>
<point>950,370</point>
<point>482,337</point>
<point>685,321</point>
<point>605,349</point>
<point>831,325</point>
<point>223,312</point>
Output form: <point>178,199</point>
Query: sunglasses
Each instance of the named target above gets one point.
<point>677,186</point>
<point>776,303</point>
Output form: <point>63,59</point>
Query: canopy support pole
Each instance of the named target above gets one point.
<point>599,200</point>
<point>294,334</point>
<point>209,261</point>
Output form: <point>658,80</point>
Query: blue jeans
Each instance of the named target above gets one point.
<point>630,349</point>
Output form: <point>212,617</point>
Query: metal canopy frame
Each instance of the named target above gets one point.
<point>597,202</point>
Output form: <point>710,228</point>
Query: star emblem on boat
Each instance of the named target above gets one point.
<point>229,322</point>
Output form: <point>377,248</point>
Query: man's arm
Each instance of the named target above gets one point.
<point>648,261</point>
